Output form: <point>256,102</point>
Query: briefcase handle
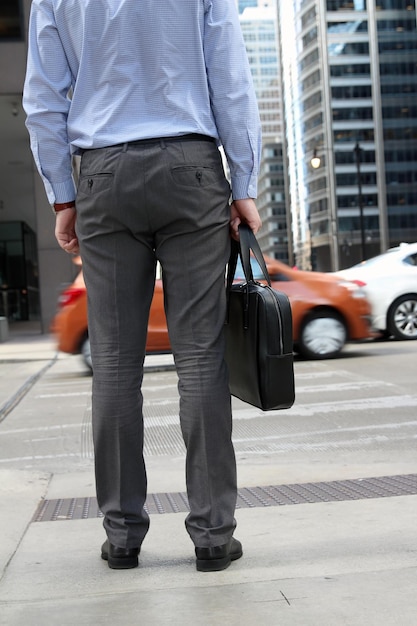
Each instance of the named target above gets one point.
<point>247,242</point>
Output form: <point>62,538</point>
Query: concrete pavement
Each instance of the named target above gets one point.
<point>348,562</point>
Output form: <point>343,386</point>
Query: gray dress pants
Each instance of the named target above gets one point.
<point>138,203</point>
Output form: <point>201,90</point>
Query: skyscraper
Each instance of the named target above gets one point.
<point>259,27</point>
<point>349,84</point>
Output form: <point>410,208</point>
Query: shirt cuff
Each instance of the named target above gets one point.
<point>63,192</point>
<point>244,187</point>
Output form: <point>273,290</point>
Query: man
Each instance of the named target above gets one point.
<point>145,90</point>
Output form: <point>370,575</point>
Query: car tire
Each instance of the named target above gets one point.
<point>402,317</point>
<point>323,335</point>
<point>86,353</point>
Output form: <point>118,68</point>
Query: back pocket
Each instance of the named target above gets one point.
<point>194,176</point>
<point>95,183</point>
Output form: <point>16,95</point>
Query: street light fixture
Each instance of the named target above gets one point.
<point>315,161</point>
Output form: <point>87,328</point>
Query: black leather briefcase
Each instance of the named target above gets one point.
<point>259,345</point>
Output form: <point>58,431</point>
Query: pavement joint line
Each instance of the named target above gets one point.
<point>12,402</point>
<point>68,509</point>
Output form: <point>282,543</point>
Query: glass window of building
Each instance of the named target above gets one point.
<point>346,5</point>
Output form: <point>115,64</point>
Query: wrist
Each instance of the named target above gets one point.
<point>61,206</point>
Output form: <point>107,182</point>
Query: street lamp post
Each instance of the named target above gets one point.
<point>315,163</point>
<point>357,150</point>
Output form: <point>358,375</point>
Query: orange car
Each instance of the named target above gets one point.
<point>327,312</point>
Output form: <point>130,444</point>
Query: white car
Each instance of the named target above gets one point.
<point>390,284</point>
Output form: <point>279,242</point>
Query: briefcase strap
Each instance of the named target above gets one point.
<point>247,242</point>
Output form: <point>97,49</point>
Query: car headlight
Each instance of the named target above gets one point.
<point>355,287</point>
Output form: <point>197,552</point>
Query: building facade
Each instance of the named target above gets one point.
<point>259,27</point>
<point>349,84</point>
<point>32,266</point>
<point>243,4</point>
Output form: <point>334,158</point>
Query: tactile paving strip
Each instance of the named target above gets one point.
<point>248,497</point>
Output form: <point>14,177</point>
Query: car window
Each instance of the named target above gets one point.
<point>411,259</point>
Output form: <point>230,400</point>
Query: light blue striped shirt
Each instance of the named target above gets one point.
<point>138,69</point>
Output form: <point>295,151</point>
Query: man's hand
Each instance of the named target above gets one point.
<point>65,231</point>
<point>244,211</point>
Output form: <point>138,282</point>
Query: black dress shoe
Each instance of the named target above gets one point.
<point>119,558</point>
<point>218,558</point>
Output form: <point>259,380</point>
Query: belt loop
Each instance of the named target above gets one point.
<point>125,146</point>
<point>162,143</point>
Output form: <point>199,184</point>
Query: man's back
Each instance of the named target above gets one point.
<point>138,69</point>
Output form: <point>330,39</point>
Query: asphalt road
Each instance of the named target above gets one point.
<point>353,416</point>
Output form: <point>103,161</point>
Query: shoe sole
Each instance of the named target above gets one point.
<point>122,563</point>
<point>217,565</point>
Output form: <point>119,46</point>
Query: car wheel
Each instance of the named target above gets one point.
<point>86,352</point>
<point>402,317</point>
<point>322,336</point>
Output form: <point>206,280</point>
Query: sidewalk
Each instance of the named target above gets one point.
<point>349,563</point>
